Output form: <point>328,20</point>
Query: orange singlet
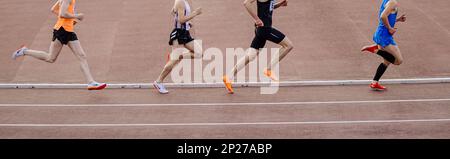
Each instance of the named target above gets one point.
<point>67,24</point>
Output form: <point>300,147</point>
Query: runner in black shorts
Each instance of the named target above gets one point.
<point>263,32</point>
<point>180,37</point>
<point>64,34</point>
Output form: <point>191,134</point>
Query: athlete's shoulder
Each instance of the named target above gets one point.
<point>393,2</point>
<point>179,3</point>
<point>251,1</point>
<point>66,1</point>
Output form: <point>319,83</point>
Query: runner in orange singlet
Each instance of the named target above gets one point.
<point>63,34</point>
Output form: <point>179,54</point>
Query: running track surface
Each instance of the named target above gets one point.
<point>296,112</point>
<point>126,41</point>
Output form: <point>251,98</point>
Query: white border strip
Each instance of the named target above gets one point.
<point>225,104</point>
<point>230,124</point>
<point>219,85</point>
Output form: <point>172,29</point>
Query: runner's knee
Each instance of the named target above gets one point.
<point>82,56</point>
<point>197,55</point>
<point>252,56</point>
<point>399,61</point>
<point>51,60</point>
<point>288,45</point>
<point>386,62</point>
<point>171,64</point>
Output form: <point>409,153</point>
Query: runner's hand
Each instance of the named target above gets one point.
<point>259,23</point>
<point>284,3</point>
<point>402,18</point>
<point>392,31</point>
<point>198,11</point>
<point>80,16</point>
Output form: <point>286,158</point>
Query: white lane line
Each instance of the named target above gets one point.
<point>227,104</point>
<point>230,124</point>
<point>220,85</point>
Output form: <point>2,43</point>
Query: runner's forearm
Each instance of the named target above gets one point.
<point>63,13</point>
<point>248,7</point>
<point>55,8</point>
<point>390,6</point>
<point>278,5</point>
<point>187,18</point>
<point>68,15</point>
<point>386,23</point>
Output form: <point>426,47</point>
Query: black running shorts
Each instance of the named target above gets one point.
<point>262,34</point>
<point>64,36</point>
<point>182,35</point>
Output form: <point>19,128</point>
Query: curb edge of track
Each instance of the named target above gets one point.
<point>220,85</point>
